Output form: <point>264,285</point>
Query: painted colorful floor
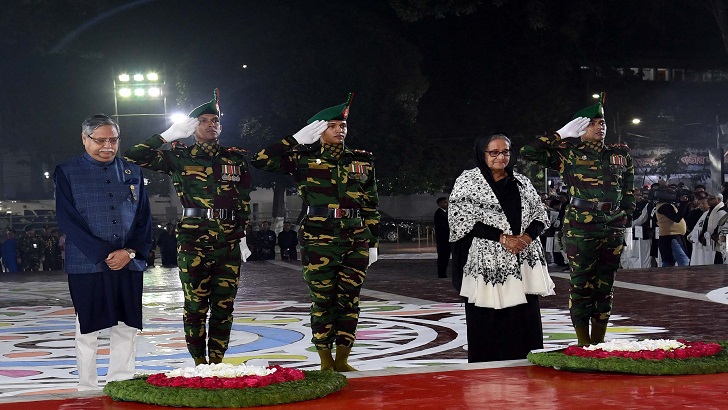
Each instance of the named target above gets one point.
<point>411,346</point>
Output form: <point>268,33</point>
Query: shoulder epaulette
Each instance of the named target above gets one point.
<point>620,145</point>
<point>363,153</point>
<point>178,144</point>
<point>237,150</point>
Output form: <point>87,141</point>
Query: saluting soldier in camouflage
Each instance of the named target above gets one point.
<point>600,181</point>
<point>340,229</point>
<point>31,249</point>
<point>213,184</point>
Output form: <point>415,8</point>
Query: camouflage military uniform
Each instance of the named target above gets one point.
<point>593,238</point>
<point>335,249</point>
<point>210,177</point>
<point>31,251</point>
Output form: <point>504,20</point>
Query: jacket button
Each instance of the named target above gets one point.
<point>111,194</point>
<point>114,221</point>
<point>108,181</point>
<point>112,207</point>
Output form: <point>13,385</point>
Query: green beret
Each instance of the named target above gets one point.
<point>210,107</point>
<point>28,227</point>
<point>593,111</point>
<point>337,112</point>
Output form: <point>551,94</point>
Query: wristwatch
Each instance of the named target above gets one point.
<point>131,253</point>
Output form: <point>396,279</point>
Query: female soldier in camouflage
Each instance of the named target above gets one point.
<point>340,229</point>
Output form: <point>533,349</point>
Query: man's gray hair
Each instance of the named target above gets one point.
<point>90,124</point>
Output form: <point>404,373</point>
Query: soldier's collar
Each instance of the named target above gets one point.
<point>334,151</point>
<point>595,145</point>
<point>208,148</point>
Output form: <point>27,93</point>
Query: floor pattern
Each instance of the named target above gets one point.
<point>36,342</point>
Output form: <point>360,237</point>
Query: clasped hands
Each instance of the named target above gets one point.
<point>118,259</point>
<point>515,243</point>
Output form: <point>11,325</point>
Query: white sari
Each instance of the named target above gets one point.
<point>493,277</point>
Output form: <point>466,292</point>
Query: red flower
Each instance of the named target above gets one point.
<point>691,350</point>
<point>280,376</point>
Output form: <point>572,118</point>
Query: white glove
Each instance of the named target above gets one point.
<point>372,256</point>
<point>182,129</point>
<point>574,128</point>
<point>311,133</point>
<point>244,251</point>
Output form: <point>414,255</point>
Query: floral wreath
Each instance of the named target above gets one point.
<point>269,388</point>
<point>648,358</point>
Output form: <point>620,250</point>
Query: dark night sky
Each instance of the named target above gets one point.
<point>486,71</point>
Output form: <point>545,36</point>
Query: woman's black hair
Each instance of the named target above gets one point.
<point>481,144</point>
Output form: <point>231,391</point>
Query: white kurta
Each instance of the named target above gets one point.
<point>701,255</point>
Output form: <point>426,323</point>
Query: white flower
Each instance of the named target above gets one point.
<point>635,346</point>
<point>225,370</point>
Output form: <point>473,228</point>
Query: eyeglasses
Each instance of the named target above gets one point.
<point>103,141</point>
<point>496,153</point>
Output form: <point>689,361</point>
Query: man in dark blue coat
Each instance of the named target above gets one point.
<point>103,209</point>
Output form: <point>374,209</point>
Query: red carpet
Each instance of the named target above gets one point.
<point>506,388</point>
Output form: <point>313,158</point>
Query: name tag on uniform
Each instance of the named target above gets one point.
<point>584,162</point>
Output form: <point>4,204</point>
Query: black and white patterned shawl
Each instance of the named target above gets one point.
<point>473,200</point>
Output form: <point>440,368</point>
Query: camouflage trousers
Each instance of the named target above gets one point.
<point>334,271</point>
<point>31,263</point>
<point>594,259</point>
<point>210,277</point>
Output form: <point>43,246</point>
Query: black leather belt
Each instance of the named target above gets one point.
<point>592,205</point>
<point>224,214</point>
<point>333,212</point>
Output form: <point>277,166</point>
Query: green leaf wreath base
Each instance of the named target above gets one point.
<point>701,365</point>
<point>316,384</point>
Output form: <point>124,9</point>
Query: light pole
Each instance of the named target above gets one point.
<point>618,125</point>
<point>139,93</point>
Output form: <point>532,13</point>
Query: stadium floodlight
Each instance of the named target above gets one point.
<point>140,92</point>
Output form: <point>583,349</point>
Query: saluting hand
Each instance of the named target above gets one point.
<point>180,129</point>
<point>311,133</point>
<point>574,128</point>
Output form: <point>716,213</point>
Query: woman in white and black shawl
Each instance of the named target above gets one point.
<point>494,215</point>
